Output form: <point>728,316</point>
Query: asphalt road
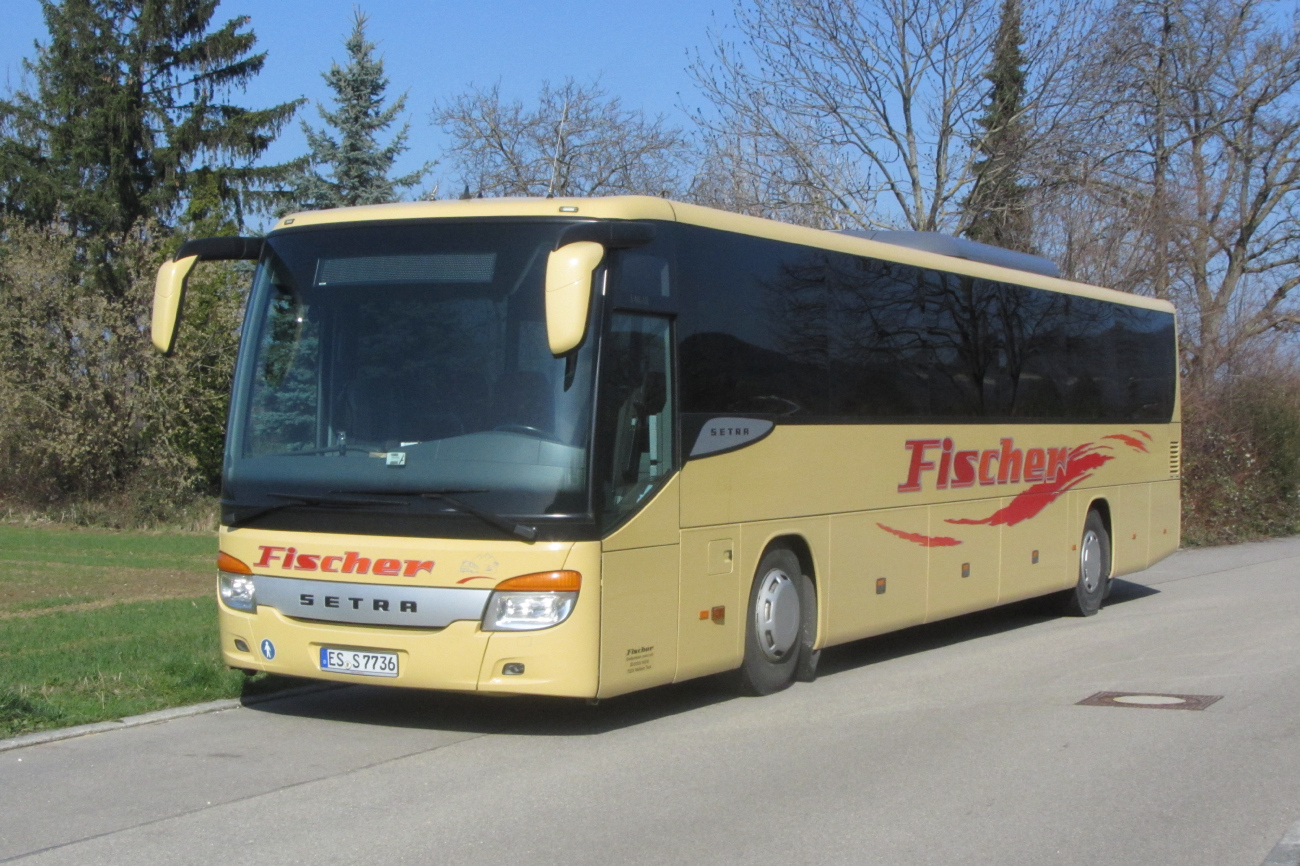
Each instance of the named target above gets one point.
<point>960,742</point>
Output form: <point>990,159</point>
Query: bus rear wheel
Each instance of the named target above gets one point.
<point>774,625</point>
<point>1094,569</point>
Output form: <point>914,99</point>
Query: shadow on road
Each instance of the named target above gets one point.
<point>947,632</point>
<point>546,717</point>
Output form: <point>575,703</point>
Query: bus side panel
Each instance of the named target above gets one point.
<point>638,614</point>
<point>713,602</point>
<point>1166,506</point>
<point>1036,555</point>
<point>963,575</point>
<point>1130,529</point>
<point>861,556</point>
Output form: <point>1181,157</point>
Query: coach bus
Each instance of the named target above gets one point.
<point>583,447</point>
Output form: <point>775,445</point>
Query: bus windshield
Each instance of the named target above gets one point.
<point>408,361</point>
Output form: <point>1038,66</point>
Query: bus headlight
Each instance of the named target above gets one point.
<point>532,601</point>
<point>237,591</point>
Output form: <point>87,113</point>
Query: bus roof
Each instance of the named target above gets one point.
<point>638,207</point>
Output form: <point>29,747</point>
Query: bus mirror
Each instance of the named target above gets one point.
<point>168,293</point>
<point>568,293</point>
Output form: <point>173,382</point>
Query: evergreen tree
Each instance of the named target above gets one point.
<point>356,166</point>
<point>127,119</point>
<point>998,209</point>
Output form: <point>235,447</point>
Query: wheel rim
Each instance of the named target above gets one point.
<point>1090,561</point>
<point>776,615</point>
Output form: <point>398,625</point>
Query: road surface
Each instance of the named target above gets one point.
<point>959,742</point>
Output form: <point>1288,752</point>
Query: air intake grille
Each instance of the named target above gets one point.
<point>1175,459</point>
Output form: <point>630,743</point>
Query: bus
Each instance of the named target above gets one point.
<point>582,447</point>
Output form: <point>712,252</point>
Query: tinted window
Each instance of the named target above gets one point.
<point>816,336</point>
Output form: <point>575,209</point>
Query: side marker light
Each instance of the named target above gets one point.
<point>880,586</point>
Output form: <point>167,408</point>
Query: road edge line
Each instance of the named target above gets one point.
<point>38,738</point>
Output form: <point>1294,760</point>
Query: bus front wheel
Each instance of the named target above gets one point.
<point>774,625</point>
<point>1094,569</point>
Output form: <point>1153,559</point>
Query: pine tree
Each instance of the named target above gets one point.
<point>127,119</point>
<point>998,209</point>
<point>356,166</point>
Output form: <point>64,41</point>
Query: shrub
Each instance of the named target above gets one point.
<point>1241,460</point>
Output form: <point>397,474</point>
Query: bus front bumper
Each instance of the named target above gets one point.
<point>561,660</point>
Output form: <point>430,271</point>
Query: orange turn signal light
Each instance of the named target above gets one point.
<point>226,562</point>
<point>543,581</point>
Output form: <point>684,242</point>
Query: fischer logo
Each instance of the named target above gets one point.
<point>1050,472</point>
<point>350,562</point>
<point>1005,465</point>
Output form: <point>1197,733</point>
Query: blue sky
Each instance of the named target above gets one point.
<point>435,49</point>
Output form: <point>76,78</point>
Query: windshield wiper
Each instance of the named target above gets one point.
<point>294,500</point>
<point>522,530</point>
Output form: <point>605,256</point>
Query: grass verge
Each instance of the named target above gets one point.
<point>66,668</point>
<point>97,625</point>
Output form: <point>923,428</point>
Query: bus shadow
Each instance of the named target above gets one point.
<point>480,714</point>
<point>377,706</point>
<point>971,626</point>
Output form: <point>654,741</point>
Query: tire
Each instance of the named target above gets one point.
<point>774,624</point>
<point>1094,569</point>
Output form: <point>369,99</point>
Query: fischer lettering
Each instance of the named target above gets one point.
<point>1004,465</point>
<point>350,562</point>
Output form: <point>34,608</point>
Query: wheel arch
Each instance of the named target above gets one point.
<point>799,546</point>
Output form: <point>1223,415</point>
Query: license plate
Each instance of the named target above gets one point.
<point>370,663</point>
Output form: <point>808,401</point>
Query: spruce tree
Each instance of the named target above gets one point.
<point>128,119</point>
<point>350,167</point>
<point>998,208</point>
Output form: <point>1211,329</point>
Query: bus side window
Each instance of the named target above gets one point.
<point>636,415</point>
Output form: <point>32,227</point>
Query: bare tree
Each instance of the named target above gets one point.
<point>1201,99</point>
<point>847,113</point>
<point>576,141</point>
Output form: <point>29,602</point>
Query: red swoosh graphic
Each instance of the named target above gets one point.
<point>1084,460</point>
<point>1135,444</point>
<point>475,577</point>
<point>923,540</point>
<point>1144,434</point>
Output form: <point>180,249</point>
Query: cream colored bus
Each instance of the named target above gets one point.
<point>583,447</point>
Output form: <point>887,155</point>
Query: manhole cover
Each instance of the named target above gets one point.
<point>1149,701</point>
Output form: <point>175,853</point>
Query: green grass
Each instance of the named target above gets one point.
<point>48,566</point>
<point>97,625</point>
<point>72,667</point>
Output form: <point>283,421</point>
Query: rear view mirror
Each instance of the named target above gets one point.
<point>568,293</point>
<point>169,290</point>
<point>168,293</point>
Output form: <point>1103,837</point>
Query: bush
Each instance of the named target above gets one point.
<point>1241,460</point>
<point>91,417</point>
